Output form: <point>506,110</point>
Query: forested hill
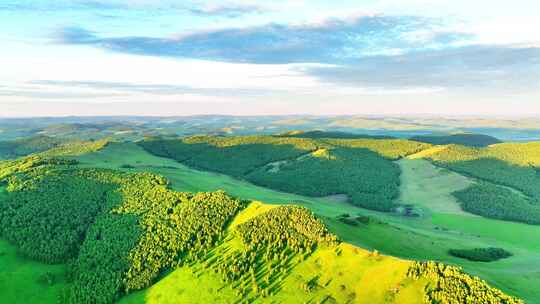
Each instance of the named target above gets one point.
<point>120,232</point>
<point>362,169</point>
<point>25,146</point>
<point>464,139</point>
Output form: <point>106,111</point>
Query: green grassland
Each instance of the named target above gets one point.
<point>24,279</point>
<point>427,237</point>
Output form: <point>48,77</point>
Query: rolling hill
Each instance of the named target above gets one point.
<point>131,227</point>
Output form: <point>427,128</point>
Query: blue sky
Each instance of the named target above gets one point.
<point>142,57</point>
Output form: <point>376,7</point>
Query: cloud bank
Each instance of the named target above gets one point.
<point>331,41</point>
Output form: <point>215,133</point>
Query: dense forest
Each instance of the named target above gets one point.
<point>360,168</point>
<point>369,180</point>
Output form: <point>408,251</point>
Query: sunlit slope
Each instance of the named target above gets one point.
<point>338,273</point>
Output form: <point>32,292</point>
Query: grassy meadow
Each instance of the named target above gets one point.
<point>22,278</point>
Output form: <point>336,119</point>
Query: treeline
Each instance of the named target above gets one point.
<point>450,285</point>
<point>489,254</point>
<point>497,202</point>
<point>360,168</point>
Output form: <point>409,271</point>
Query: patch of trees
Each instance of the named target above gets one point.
<point>449,284</point>
<point>489,254</point>
<point>392,149</point>
<point>498,202</point>
<point>285,226</point>
<point>354,220</point>
<point>465,139</point>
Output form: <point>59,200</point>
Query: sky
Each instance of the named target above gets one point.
<point>240,57</point>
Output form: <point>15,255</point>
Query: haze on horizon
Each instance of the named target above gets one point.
<point>142,57</point>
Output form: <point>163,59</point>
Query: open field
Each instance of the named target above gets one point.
<point>424,238</point>
<point>28,281</point>
<point>430,187</point>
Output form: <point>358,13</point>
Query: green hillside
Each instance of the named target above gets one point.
<point>361,169</point>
